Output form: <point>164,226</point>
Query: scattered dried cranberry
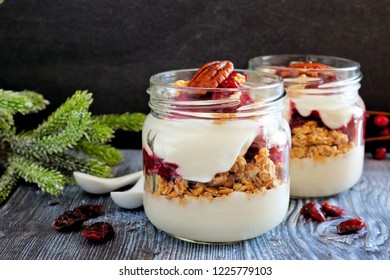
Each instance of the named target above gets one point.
<point>73,220</point>
<point>69,220</point>
<point>331,210</point>
<point>91,211</point>
<point>98,232</point>
<point>350,226</point>
<point>379,153</point>
<point>313,210</point>
<point>381,120</point>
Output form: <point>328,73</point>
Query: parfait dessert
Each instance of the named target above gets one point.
<point>326,117</point>
<point>216,153</point>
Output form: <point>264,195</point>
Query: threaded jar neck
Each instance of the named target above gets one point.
<point>340,76</point>
<point>262,94</point>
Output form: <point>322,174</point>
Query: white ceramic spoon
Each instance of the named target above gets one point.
<point>97,185</point>
<point>132,198</point>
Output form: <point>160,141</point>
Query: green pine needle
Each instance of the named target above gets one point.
<point>48,180</point>
<point>67,163</point>
<point>23,102</point>
<point>31,144</point>
<point>98,133</point>
<point>6,120</point>
<point>126,121</point>
<point>7,182</point>
<point>78,102</point>
<point>102,152</point>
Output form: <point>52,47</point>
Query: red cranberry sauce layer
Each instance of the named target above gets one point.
<point>351,128</point>
<point>153,164</point>
<point>168,170</point>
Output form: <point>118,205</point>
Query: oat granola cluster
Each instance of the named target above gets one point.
<point>250,177</point>
<point>313,141</point>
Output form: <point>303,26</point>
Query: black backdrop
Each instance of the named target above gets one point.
<point>112,47</point>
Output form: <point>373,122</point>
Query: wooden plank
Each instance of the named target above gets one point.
<point>26,232</point>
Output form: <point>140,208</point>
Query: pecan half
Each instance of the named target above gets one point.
<point>211,74</point>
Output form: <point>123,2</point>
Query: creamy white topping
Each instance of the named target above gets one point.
<point>202,148</point>
<point>335,110</point>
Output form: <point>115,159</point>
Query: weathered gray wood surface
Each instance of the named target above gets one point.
<point>26,232</point>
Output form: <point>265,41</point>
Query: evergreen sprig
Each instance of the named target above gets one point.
<point>70,139</point>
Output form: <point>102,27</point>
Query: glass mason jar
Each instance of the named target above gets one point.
<point>216,165</point>
<point>326,117</point>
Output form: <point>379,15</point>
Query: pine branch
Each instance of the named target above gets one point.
<point>6,120</point>
<point>67,163</point>
<point>32,144</point>
<point>102,152</point>
<point>98,133</point>
<point>44,155</point>
<point>23,102</point>
<point>126,121</point>
<point>48,180</point>
<point>7,182</point>
<point>78,102</point>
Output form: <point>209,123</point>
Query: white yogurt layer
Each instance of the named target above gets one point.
<point>335,110</point>
<point>328,176</point>
<point>235,217</point>
<point>199,147</point>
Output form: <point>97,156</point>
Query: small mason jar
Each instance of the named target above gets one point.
<point>326,117</point>
<point>216,160</point>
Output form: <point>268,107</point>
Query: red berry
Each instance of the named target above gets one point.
<point>313,210</point>
<point>98,232</point>
<point>381,120</point>
<point>332,210</point>
<point>229,82</point>
<point>379,153</point>
<point>245,99</point>
<point>350,226</point>
<point>385,132</point>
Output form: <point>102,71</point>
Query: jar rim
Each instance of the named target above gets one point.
<point>268,61</point>
<point>274,81</point>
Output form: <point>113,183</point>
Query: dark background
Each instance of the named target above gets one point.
<point>112,47</point>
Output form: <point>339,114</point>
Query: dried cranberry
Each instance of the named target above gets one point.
<point>90,211</point>
<point>350,226</point>
<point>313,210</point>
<point>229,82</point>
<point>98,232</point>
<point>245,99</point>
<point>73,220</point>
<point>69,220</point>
<point>332,210</point>
<point>379,153</point>
<point>381,120</point>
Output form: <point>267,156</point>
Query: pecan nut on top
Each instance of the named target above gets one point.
<point>211,74</point>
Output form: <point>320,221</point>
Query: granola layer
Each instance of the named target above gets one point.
<point>312,141</point>
<point>250,177</point>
